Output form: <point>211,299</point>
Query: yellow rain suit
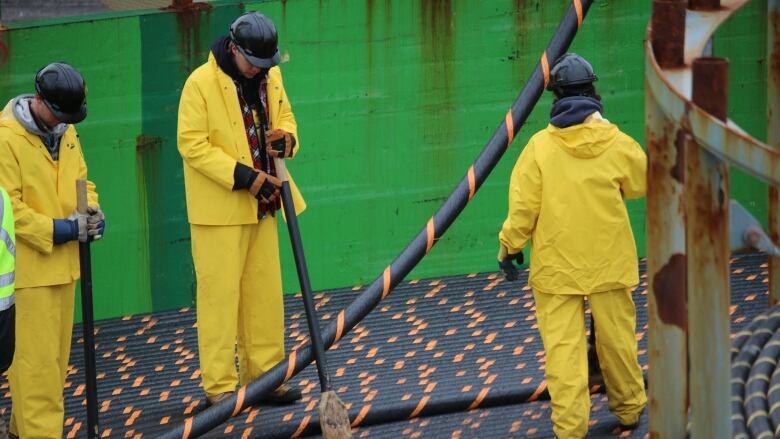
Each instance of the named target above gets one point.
<point>41,190</point>
<point>566,196</point>
<point>236,256</point>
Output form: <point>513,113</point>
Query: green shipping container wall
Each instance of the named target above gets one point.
<point>394,100</point>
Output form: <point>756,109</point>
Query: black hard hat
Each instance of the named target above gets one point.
<point>570,70</point>
<point>63,90</point>
<point>255,36</point>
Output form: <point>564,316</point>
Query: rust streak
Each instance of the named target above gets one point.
<point>710,86</point>
<point>678,170</point>
<point>669,289</point>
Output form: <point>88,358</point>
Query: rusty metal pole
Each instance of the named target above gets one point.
<point>666,258</point>
<point>773,136</point>
<point>707,202</point>
<point>668,32</point>
<point>704,5</point>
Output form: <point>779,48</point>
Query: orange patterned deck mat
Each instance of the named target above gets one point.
<point>461,341</point>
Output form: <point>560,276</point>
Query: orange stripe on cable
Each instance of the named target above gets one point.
<point>545,69</point>
<point>362,415</point>
<point>386,276</point>
<point>431,232</point>
<point>480,397</point>
<point>304,424</point>
<point>472,182</point>
<point>187,428</point>
<point>339,326</point>
<point>578,8</point>
<point>291,365</point>
<point>510,128</point>
<point>538,391</point>
<point>420,406</point>
<point>239,401</point>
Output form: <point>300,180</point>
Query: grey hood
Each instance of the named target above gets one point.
<point>51,138</point>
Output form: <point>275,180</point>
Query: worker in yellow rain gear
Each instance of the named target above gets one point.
<point>40,161</point>
<point>566,195</point>
<point>234,117</point>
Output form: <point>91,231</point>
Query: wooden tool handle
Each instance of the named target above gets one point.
<point>81,196</point>
<point>281,169</point>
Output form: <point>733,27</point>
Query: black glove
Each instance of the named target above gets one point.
<point>263,186</point>
<point>506,265</point>
<point>280,143</point>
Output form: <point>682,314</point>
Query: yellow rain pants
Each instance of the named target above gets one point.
<point>44,324</point>
<point>561,319</point>
<point>239,299</point>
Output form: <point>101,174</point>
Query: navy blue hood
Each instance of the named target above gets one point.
<point>573,110</point>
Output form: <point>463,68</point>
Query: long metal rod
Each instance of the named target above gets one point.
<point>303,277</point>
<point>85,262</point>
<point>417,248</point>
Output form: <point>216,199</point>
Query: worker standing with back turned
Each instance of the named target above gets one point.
<point>40,161</point>
<point>566,195</point>
<point>234,117</point>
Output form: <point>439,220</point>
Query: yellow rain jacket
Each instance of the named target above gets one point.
<point>566,192</point>
<point>212,137</point>
<point>41,189</point>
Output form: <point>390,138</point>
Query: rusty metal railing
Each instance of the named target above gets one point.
<point>691,145</point>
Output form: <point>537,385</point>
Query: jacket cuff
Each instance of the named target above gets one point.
<point>65,230</point>
<point>243,176</point>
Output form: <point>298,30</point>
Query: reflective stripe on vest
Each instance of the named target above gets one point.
<point>7,253</point>
<point>7,302</point>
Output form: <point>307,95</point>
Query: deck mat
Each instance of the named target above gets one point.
<point>433,346</point>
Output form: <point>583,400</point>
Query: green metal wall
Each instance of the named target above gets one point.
<point>394,100</point>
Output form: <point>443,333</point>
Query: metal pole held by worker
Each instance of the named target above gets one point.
<point>85,260</point>
<point>334,420</point>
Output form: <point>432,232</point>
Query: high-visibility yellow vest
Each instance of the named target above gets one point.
<point>7,253</point>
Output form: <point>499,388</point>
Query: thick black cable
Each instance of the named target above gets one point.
<point>416,250</point>
<point>751,372</point>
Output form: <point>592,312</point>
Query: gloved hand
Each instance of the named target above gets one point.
<point>71,228</point>
<point>263,186</point>
<point>96,223</point>
<point>505,262</point>
<point>279,143</point>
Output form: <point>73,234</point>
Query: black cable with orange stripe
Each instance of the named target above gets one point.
<point>298,359</point>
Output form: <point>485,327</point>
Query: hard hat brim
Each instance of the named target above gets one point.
<point>70,118</point>
<point>263,63</point>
